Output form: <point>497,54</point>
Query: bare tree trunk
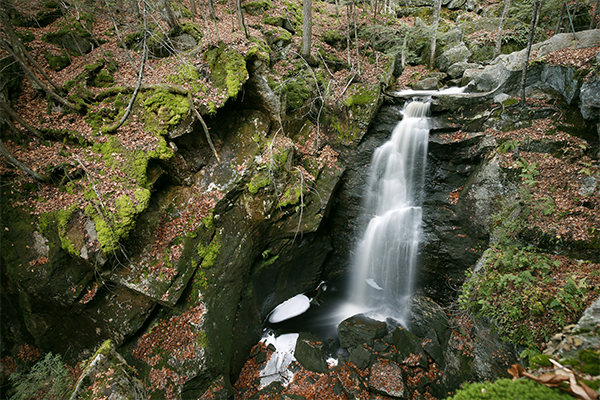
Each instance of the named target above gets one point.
<point>204,127</point>
<point>348,41</point>
<point>213,16</point>
<point>560,18</point>
<point>211,10</point>
<point>240,14</point>
<point>306,28</point>
<point>437,6</point>
<point>169,15</point>
<point>11,159</point>
<point>498,48</point>
<point>534,18</point>
<point>356,36</point>
<point>193,7</point>
<point>18,118</point>
<point>593,21</point>
<point>113,128</point>
<point>18,47</point>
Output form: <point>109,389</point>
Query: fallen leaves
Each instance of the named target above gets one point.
<point>562,378</point>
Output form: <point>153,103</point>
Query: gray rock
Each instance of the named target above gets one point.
<point>407,344</point>
<point>425,314</point>
<point>360,329</point>
<point>360,356</point>
<point>108,373</point>
<point>450,39</point>
<point>562,80</point>
<point>451,56</point>
<point>427,84</point>
<point>456,4</point>
<point>457,70</point>
<point>590,98</point>
<point>590,318</point>
<point>387,378</point>
<point>589,184</point>
<point>310,352</point>
<point>471,75</point>
<point>483,195</point>
<point>433,347</point>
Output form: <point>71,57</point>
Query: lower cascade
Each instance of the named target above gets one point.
<point>382,277</point>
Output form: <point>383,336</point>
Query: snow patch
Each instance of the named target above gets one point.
<point>290,308</point>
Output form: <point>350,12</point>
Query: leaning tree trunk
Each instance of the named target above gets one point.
<point>306,28</point>
<point>534,19</point>
<point>436,21</point>
<point>11,159</point>
<point>169,15</point>
<point>501,28</point>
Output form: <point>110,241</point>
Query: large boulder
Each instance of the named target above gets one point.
<point>360,329</point>
<point>458,53</point>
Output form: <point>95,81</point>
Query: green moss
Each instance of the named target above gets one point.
<point>113,228</point>
<point>26,36</point>
<point>209,253</point>
<point>228,68</point>
<point>540,360</point>
<point>136,162</point>
<point>257,7</point>
<point>169,108</point>
<point>187,74</point>
<point>297,92</point>
<point>59,220</point>
<point>506,389</point>
<point>258,181</point>
<point>192,29</point>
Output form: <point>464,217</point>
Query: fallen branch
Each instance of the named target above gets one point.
<point>20,120</point>
<point>11,159</point>
<point>208,139</point>
<point>113,128</point>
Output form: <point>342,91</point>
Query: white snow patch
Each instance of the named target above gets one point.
<point>276,367</point>
<point>290,308</point>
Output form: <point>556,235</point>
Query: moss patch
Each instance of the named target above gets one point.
<point>228,68</point>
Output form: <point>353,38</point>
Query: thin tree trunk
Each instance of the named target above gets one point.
<point>204,127</point>
<point>593,21</point>
<point>193,7</point>
<point>42,85</point>
<point>169,15</point>
<point>437,6</point>
<point>20,49</point>
<point>348,41</point>
<point>113,128</point>
<point>562,15</point>
<point>213,16</point>
<point>11,159</point>
<point>356,37</point>
<point>211,10</point>
<point>534,18</point>
<point>498,48</point>
<point>18,118</point>
<point>240,14</point>
<point>306,28</point>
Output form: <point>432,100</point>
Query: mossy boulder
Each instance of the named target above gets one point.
<point>57,61</point>
<point>73,38</point>
<point>228,69</point>
<point>257,7</point>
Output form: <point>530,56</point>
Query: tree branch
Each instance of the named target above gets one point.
<point>208,139</point>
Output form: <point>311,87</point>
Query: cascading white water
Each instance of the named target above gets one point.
<point>384,263</point>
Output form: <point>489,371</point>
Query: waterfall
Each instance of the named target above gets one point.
<point>383,274</point>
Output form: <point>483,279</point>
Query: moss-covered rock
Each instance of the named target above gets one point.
<point>57,61</point>
<point>108,373</point>
<point>228,69</point>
